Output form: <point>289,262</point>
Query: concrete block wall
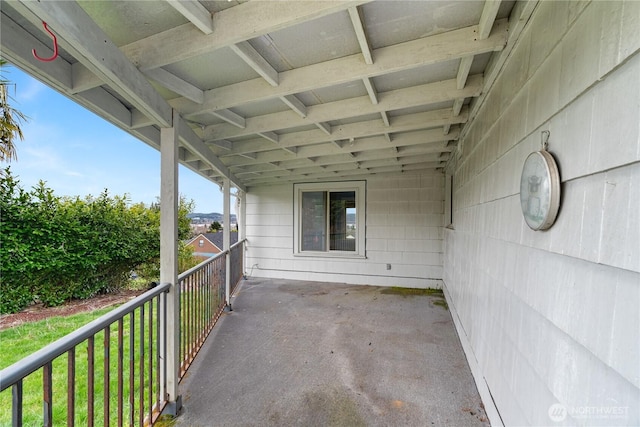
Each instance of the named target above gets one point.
<point>551,318</point>
<point>404,220</point>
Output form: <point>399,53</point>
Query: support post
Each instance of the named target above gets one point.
<point>226,239</point>
<point>241,215</point>
<point>169,263</point>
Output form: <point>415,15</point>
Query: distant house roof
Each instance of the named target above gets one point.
<point>217,238</point>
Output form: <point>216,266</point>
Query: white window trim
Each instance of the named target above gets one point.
<point>360,189</point>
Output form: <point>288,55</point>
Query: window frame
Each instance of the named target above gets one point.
<point>359,188</point>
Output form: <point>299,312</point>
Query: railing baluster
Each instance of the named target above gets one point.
<point>164,341</point>
<point>191,318</point>
<point>90,380</point>
<point>47,394</point>
<point>132,344</point>
<point>120,371</point>
<point>71,387</point>
<point>16,404</point>
<point>187,318</point>
<point>158,366</point>
<point>150,362</point>
<point>106,393</point>
<point>141,373</point>
<point>198,314</point>
<point>195,316</point>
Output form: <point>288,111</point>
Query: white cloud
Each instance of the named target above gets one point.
<point>29,91</point>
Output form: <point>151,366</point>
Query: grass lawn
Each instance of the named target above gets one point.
<point>22,340</point>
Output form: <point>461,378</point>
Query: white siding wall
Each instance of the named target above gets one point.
<point>553,317</point>
<point>403,228</point>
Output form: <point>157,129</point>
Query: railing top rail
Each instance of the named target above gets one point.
<point>208,261</point>
<point>239,242</point>
<point>31,363</point>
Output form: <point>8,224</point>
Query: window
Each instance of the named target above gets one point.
<point>329,219</point>
<point>201,243</point>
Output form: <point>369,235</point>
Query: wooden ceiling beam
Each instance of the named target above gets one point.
<point>399,57</point>
<point>407,123</point>
<point>176,84</point>
<point>195,12</point>
<point>432,139</point>
<point>230,26</point>
<point>260,65</point>
<point>197,146</point>
<point>487,19</point>
<point>361,35</point>
<point>371,90</point>
<point>295,104</point>
<point>230,117</point>
<point>392,100</point>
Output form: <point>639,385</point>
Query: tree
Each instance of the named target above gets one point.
<point>57,248</point>
<point>215,227</point>
<point>185,207</point>
<point>10,121</point>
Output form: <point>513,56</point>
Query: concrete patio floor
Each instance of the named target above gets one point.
<point>296,353</point>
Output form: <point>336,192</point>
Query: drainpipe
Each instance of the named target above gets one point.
<point>169,264</point>
<point>226,241</point>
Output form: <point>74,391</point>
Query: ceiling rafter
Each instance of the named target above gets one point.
<point>236,24</point>
<point>230,27</point>
<point>431,139</point>
<point>392,100</point>
<point>222,143</point>
<point>487,19</point>
<point>196,145</point>
<point>371,90</point>
<point>176,84</point>
<point>385,118</point>
<point>195,12</point>
<point>348,174</point>
<point>297,173</point>
<point>410,122</point>
<point>271,136</point>
<point>260,65</point>
<point>399,57</point>
<point>248,155</point>
<point>230,117</point>
<point>337,162</point>
<point>361,35</point>
<point>336,159</point>
<point>325,127</point>
<point>295,104</point>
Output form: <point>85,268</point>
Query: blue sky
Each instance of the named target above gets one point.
<point>78,153</point>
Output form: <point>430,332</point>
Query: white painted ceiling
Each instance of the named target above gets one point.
<point>268,91</point>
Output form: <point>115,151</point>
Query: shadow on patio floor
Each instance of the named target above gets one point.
<point>296,353</point>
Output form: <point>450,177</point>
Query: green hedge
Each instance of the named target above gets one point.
<point>53,249</point>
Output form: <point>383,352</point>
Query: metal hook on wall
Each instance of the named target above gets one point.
<point>55,46</point>
<point>545,134</point>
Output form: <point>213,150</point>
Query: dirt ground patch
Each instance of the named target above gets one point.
<point>38,312</point>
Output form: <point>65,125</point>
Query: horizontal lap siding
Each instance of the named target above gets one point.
<point>552,317</point>
<point>404,217</point>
